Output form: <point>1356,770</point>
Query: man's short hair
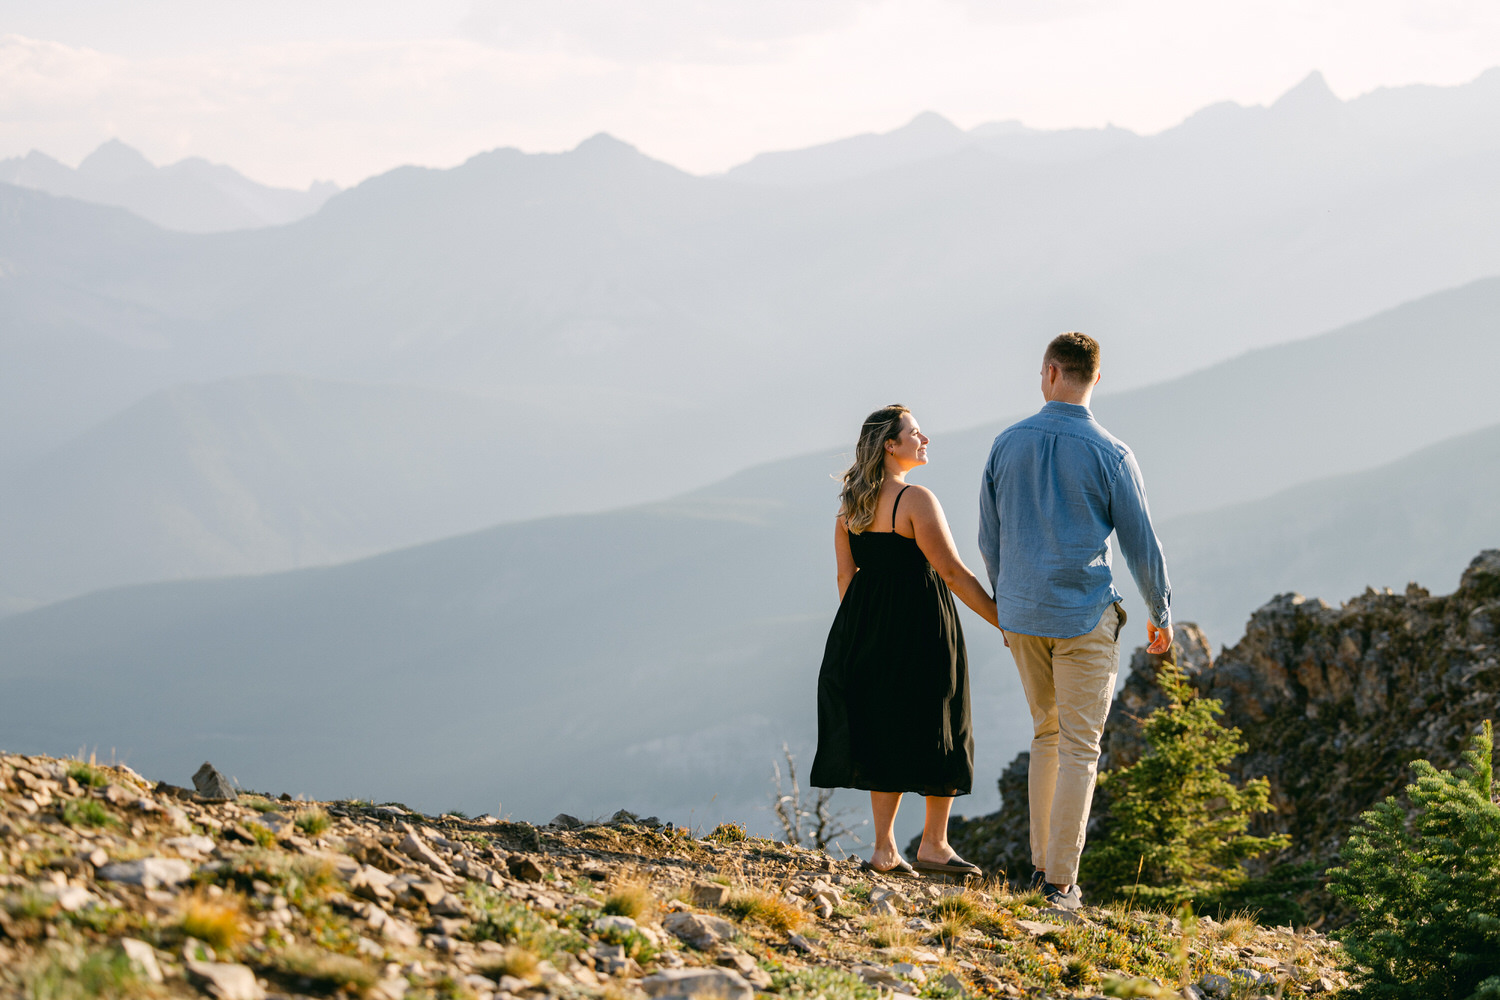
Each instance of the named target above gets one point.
<point>1075,354</point>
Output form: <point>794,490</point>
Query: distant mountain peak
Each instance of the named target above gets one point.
<point>604,144</point>
<point>930,123</point>
<point>115,161</point>
<point>1312,94</point>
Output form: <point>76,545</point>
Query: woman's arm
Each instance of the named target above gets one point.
<point>845,557</point>
<point>936,542</point>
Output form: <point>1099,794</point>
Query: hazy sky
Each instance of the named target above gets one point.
<point>292,91</point>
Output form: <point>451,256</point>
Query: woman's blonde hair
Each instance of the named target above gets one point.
<point>863,479</point>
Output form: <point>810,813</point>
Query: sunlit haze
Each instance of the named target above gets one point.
<point>292,92</point>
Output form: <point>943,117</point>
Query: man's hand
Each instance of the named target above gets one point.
<point>1160,639</point>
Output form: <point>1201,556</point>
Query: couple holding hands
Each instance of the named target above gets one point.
<point>893,691</point>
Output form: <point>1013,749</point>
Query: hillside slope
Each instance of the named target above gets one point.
<point>656,655</point>
<point>273,472</point>
<point>1415,519</point>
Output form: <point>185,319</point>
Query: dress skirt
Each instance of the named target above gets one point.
<point>893,691</point>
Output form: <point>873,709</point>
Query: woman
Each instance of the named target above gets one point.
<point>893,692</point>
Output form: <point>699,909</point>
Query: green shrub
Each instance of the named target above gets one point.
<point>727,833</point>
<point>1176,828</point>
<point>1424,887</point>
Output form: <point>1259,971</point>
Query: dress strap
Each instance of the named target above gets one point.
<point>897,504</point>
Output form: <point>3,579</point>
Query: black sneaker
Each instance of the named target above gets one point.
<point>1038,879</point>
<point>1072,899</point>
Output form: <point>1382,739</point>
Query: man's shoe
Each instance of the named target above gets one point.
<point>1038,879</point>
<point>1072,899</point>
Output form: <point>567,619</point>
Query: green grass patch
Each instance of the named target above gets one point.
<point>313,822</point>
<point>87,812</point>
<point>87,775</point>
<point>259,803</point>
<point>502,919</point>
<point>828,983</point>
<point>263,835</point>
<point>75,975</point>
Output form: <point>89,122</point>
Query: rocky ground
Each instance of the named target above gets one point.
<point>1333,703</point>
<point>113,886</point>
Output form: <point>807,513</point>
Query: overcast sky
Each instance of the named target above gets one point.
<point>290,91</point>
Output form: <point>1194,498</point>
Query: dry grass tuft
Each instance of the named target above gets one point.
<point>1079,972</point>
<point>219,922</point>
<point>1236,930</point>
<point>888,931</point>
<point>967,908</point>
<point>328,972</point>
<point>513,961</point>
<point>631,898</point>
<point>766,907</point>
<point>952,929</point>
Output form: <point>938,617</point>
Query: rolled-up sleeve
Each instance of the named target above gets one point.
<point>989,524</point>
<point>1138,541</point>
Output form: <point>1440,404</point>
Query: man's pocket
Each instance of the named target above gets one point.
<point>1120,618</point>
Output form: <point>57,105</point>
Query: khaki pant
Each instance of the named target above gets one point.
<point>1069,684</point>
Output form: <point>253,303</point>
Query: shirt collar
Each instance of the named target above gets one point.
<point>1058,407</point>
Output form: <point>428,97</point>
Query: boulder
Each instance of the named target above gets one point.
<point>709,893</point>
<point>211,783</point>
<point>143,957</point>
<point>524,868</point>
<point>614,924</point>
<point>700,930</point>
<point>148,873</point>
<point>226,981</point>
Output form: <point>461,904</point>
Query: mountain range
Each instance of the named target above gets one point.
<point>190,196</point>
<point>618,304</point>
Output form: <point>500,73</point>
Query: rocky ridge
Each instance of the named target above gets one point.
<point>113,886</point>
<point>1334,704</point>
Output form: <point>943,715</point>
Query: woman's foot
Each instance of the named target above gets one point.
<point>898,867</point>
<point>942,859</point>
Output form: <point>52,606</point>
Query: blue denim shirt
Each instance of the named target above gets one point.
<point>1055,486</point>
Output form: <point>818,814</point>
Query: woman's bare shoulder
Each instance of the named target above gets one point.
<point>921,495</point>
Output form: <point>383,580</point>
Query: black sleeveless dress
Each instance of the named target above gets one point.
<point>893,691</point>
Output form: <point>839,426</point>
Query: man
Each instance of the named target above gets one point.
<point>1057,484</point>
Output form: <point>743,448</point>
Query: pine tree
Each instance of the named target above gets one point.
<point>1176,826</point>
<point>1424,886</point>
